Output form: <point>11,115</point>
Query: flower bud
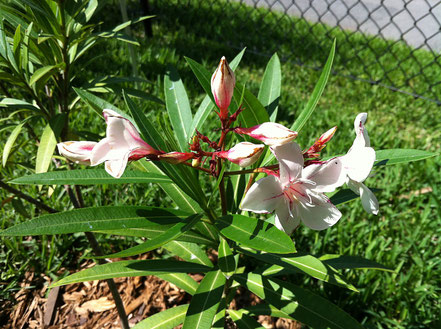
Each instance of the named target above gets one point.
<point>272,134</point>
<point>319,144</point>
<point>78,152</point>
<point>222,87</point>
<point>196,162</point>
<point>176,157</point>
<point>244,154</point>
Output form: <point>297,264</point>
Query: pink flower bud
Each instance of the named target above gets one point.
<point>78,152</point>
<point>272,134</point>
<point>176,157</point>
<point>222,87</point>
<point>244,154</point>
<point>319,144</point>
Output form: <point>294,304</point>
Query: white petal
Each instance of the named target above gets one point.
<point>291,161</point>
<point>358,162</point>
<point>321,215</point>
<point>284,219</point>
<point>327,176</point>
<point>116,167</point>
<point>362,137</point>
<point>368,200</point>
<point>99,152</point>
<point>354,186</point>
<point>263,195</point>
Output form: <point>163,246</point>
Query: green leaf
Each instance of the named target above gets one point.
<point>152,232</point>
<point>343,196</point>
<point>255,233</point>
<point>201,115</point>
<point>168,319</point>
<point>300,304</point>
<point>340,262</point>
<point>130,268</point>
<point>178,106</point>
<point>48,142</point>
<point>91,177</point>
<point>171,234</point>
<point>181,280</point>
<point>297,263</point>
<point>189,252</point>
<point>97,104</point>
<point>269,92</point>
<point>130,22</point>
<point>205,302</point>
<point>219,318</point>
<point>394,156</point>
<point>42,72</point>
<point>244,321</point>
<point>226,261</point>
<point>10,143</point>
<point>203,76</point>
<point>317,92</point>
<point>18,104</point>
<point>265,309</point>
<point>254,113</point>
<point>182,200</point>
<point>96,219</point>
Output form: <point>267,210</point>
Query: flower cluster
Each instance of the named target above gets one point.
<point>295,189</point>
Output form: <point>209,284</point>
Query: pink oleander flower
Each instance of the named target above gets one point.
<point>78,152</point>
<point>358,163</point>
<point>272,134</point>
<point>297,193</point>
<point>244,154</point>
<point>222,86</point>
<point>122,143</point>
<point>176,157</point>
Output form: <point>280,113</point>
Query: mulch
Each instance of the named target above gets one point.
<point>90,304</point>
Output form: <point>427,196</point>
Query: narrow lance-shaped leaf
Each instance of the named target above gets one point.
<point>48,142</point>
<point>42,73</point>
<point>226,260</point>
<point>352,262</point>
<point>178,107</point>
<point>205,302</point>
<point>95,219</point>
<point>190,252</point>
<point>298,263</point>
<point>10,143</point>
<point>96,103</point>
<point>395,156</point>
<point>269,92</point>
<point>297,302</point>
<point>317,92</point>
<point>168,319</point>
<point>181,280</point>
<point>255,233</point>
<point>171,234</point>
<point>91,177</point>
<point>130,268</point>
<point>243,320</point>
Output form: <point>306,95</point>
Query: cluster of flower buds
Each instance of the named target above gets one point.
<point>295,190</point>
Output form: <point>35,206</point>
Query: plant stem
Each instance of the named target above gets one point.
<point>77,200</point>
<point>26,197</point>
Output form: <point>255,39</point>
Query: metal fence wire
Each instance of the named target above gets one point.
<point>393,43</point>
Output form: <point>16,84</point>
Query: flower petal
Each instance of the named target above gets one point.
<point>362,137</point>
<point>358,162</point>
<point>116,167</point>
<point>327,176</point>
<point>368,200</point>
<point>291,161</point>
<point>318,216</point>
<point>284,219</point>
<point>263,196</point>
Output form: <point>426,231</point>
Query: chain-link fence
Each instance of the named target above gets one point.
<point>393,43</point>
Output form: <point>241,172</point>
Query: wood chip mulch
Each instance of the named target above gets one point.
<point>90,304</point>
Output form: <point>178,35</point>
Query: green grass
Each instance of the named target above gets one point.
<point>406,234</point>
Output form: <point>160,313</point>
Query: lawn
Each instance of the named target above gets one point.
<point>404,236</point>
